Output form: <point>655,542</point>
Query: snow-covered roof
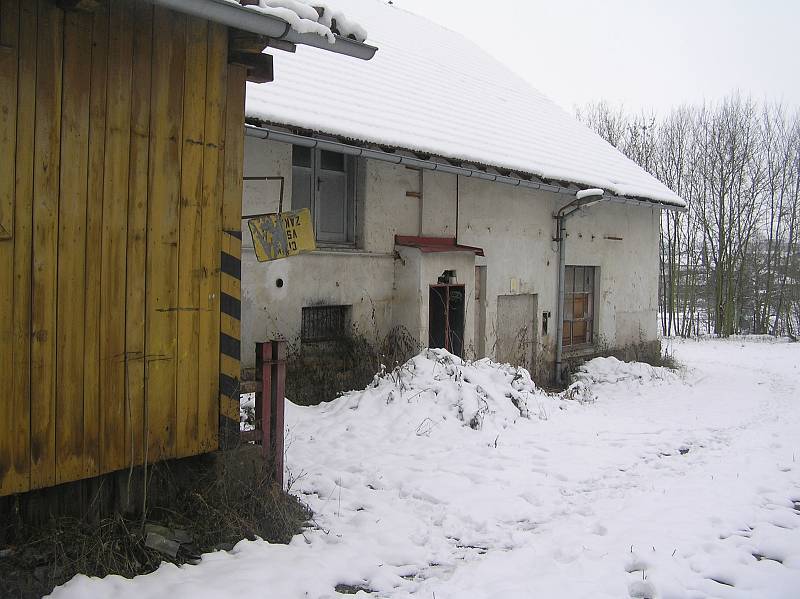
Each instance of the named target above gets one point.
<point>431,90</point>
<point>300,22</point>
<point>310,16</point>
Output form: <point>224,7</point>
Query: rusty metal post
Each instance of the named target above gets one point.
<point>271,370</point>
<point>278,404</point>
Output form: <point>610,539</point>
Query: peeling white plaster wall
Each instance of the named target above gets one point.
<point>514,227</point>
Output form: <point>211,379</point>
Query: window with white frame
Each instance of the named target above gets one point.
<point>324,182</point>
<point>578,305</point>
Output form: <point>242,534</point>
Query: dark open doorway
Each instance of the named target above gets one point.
<point>446,318</point>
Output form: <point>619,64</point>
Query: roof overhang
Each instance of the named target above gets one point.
<point>236,16</point>
<point>443,164</point>
<point>435,245</point>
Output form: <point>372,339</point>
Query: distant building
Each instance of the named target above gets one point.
<point>433,175</point>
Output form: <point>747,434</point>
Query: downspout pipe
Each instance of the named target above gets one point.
<point>583,199</point>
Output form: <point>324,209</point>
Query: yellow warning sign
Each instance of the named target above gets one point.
<point>280,235</point>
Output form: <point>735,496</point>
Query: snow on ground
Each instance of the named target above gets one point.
<point>455,481</point>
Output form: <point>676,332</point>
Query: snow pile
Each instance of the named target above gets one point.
<point>428,89</point>
<point>436,387</point>
<point>612,374</point>
<point>311,17</point>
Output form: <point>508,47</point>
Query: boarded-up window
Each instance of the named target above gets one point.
<point>324,182</point>
<point>324,323</point>
<point>578,304</point>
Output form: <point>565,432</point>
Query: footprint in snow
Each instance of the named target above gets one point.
<point>599,530</point>
<point>636,564</point>
<point>641,589</point>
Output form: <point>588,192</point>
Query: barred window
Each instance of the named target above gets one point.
<point>324,323</point>
<point>578,304</point>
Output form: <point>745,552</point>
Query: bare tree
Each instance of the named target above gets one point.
<point>730,263</point>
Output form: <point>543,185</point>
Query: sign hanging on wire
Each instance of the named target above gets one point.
<point>282,234</point>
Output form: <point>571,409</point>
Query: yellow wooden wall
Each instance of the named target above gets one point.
<point>121,134</point>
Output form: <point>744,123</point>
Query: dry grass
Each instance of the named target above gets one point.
<point>209,505</point>
<point>320,372</point>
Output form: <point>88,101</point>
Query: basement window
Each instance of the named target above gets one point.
<point>324,182</point>
<point>578,305</point>
<point>324,323</point>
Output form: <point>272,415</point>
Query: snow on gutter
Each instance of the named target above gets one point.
<point>264,132</point>
<point>255,20</point>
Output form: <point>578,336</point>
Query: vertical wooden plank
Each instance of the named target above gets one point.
<point>11,480</point>
<point>23,241</point>
<point>210,226</point>
<point>114,439</point>
<point>230,275</point>
<point>94,242</point>
<point>45,238</point>
<point>234,150</point>
<point>169,36</point>
<point>72,245</point>
<point>194,112</point>
<point>137,225</point>
<point>9,33</point>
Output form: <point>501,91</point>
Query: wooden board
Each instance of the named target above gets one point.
<point>137,226</point>
<point>23,239</point>
<point>10,479</point>
<point>230,282</point>
<point>194,108</point>
<point>114,439</point>
<point>210,226</point>
<point>169,33</point>
<point>94,242</point>
<point>112,237</point>
<point>45,239</point>
<point>9,34</point>
<point>72,246</point>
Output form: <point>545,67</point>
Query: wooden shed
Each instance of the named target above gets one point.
<point>121,141</point>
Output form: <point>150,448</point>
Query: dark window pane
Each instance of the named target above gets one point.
<point>579,331</point>
<point>301,156</point>
<point>579,278</point>
<point>569,279</point>
<point>588,279</point>
<point>331,161</point>
<point>579,305</point>
<point>332,207</point>
<point>302,187</point>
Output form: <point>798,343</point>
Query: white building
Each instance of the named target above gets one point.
<point>433,175</point>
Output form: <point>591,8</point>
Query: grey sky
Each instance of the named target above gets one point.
<point>642,53</point>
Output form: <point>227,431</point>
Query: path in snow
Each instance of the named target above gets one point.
<point>677,488</point>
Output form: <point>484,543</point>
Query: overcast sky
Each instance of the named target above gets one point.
<point>641,53</point>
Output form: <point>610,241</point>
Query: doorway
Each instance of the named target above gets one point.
<point>446,318</point>
<point>517,330</point>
